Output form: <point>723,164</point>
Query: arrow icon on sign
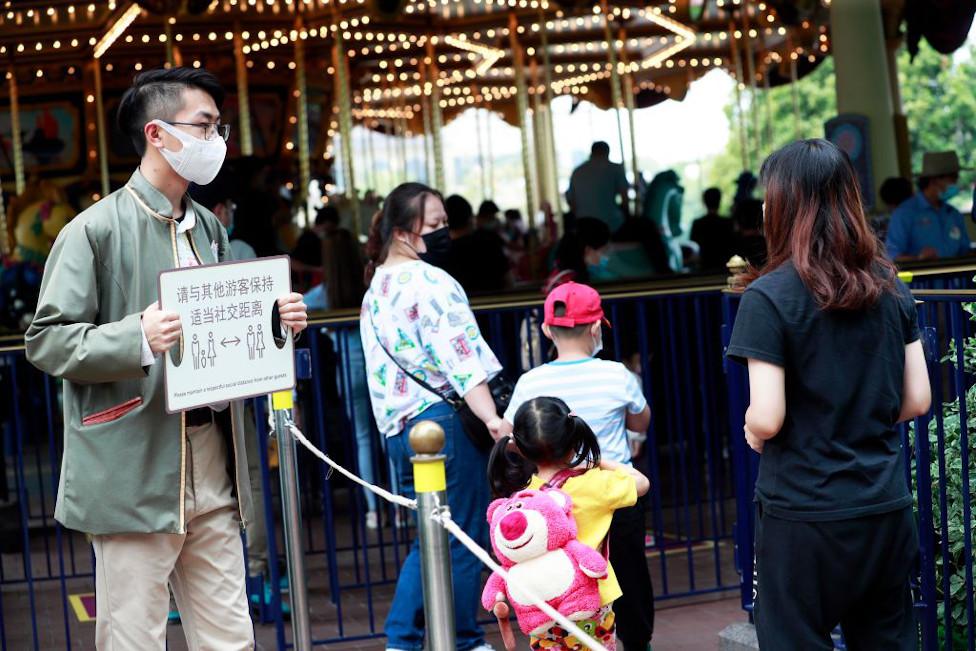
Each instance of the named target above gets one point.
<point>235,341</point>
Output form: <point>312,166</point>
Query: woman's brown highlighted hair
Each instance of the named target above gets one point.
<point>814,218</point>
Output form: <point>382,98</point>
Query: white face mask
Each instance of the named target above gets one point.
<point>598,344</point>
<point>199,160</point>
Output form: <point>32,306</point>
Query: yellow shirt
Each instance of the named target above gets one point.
<point>596,495</point>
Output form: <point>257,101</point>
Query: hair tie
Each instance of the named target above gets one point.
<point>572,414</point>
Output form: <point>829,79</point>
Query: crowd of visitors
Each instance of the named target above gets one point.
<point>818,278</point>
<point>491,250</point>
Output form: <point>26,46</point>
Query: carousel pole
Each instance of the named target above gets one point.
<point>370,155</point>
<point>631,108</point>
<point>737,63</point>
<point>391,157</point>
<point>550,127</point>
<point>481,156</point>
<point>767,111</point>
<point>491,157</point>
<point>100,122</point>
<point>615,93</point>
<point>522,107</point>
<point>428,142</point>
<point>301,108</point>
<point>434,93</point>
<point>168,31</point>
<point>753,93</point>
<point>4,233</point>
<point>541,168</point>
<point>794,91</point>
<point>243,101</point>
<point>340,62</point>
<point>16,142</point>
<point>402,144</point>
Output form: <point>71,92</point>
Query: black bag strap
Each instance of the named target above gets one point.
<point>455,403</point>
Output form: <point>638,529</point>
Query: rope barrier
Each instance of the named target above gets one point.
<point>385,494</point>
<point>442,516</point>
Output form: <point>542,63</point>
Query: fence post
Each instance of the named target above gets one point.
<point>430,481</point>
<point>281,403</point>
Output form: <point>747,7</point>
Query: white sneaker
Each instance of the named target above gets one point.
<point>372,520</point>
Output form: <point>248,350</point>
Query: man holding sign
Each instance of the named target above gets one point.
<point>163,495</point>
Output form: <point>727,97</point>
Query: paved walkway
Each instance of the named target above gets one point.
<point>692,627</point>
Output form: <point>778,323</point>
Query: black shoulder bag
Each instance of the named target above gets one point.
<point>499,386</point>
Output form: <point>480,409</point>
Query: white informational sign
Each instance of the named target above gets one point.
<point>229,349</point>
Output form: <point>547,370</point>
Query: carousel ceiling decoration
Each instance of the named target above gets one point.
<point>397,48</point>
<point>405,67</point>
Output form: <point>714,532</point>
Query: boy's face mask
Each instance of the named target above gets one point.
<point>597,343</point>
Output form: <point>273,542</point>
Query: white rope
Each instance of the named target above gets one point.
<point>442,516</point>
<point>385,494</point>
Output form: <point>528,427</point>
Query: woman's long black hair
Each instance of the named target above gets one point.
<point>546,431</point>
<point>403,209</point>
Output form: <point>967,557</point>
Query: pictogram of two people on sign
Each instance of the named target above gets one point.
<point>255,342</point>
<point>205,356</point>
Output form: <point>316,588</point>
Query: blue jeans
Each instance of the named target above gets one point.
<point>349,348</point>
<point>467,495</point>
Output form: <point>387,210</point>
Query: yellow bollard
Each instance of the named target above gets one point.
<point>430,483</point>
<point>281,405</point>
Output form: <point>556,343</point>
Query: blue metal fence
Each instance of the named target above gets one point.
<point>673,338</point>
<point>939,468</point>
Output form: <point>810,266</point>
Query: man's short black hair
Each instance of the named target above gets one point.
<point>748,214</point>
<point>460,214</point>
<point>592,232</point>
<point>895,190</point>
<point>327,214</point>
<point>158,95</point>
<point>600,148</point>
<point>712,198</point>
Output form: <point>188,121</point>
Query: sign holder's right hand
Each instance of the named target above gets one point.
<point>162,328</point>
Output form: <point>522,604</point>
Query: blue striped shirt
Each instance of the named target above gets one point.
<point>602,393</point>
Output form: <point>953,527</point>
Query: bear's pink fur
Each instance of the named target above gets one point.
<point>533,534</point>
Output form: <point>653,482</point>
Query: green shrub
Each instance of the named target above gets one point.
<point>954,529</point>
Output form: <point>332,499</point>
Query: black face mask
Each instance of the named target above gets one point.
<point>438,245</point>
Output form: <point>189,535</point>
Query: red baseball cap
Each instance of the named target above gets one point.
<point>582,306</point>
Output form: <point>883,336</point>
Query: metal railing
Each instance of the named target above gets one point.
<point>940,468</point>
<point>670,332</point>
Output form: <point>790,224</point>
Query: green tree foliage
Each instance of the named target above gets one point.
<point>937,98</point>
<point>946,469</point>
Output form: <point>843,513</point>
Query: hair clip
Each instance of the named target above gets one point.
<point>572,414</point>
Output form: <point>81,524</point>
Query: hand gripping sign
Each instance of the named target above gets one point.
<point>232,345</point>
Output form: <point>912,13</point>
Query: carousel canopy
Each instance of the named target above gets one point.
<point>397,49</point>
<point>399,55</point>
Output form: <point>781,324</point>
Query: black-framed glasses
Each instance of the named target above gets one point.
<point>210,129</point>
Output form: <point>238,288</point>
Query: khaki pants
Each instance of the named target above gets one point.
<point>204,566</point>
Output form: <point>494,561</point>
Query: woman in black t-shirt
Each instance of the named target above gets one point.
<point>831,340</point>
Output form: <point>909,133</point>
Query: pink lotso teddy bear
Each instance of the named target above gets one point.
<point>533,534</point>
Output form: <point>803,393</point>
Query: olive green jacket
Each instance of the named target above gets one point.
<point>124,468</point>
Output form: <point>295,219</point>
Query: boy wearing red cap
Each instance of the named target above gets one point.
<point>609,398</point>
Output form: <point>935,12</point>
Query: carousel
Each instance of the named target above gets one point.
<point>301,74</point>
